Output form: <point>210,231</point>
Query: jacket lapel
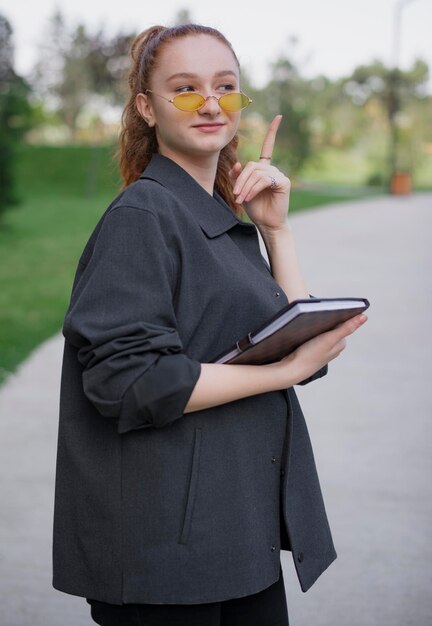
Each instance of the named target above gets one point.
<point>214,215</point>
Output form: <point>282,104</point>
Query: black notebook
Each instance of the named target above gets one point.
<point>293,325</point>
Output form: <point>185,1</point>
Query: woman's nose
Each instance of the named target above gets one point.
<point>211,106</point>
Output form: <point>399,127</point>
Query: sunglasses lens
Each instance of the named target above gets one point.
<point>188,101</point>
<point>194,101</point>
<point>234,101</point>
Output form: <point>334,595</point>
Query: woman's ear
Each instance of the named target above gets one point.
<point>144,108</point>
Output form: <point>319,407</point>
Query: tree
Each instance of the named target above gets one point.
<point>15,115</point>
<point>77,68</point>
<point>183,17</point>
<point>289,94</point>
<point>394,90</point>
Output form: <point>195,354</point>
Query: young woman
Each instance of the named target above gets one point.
<point>179,480</point>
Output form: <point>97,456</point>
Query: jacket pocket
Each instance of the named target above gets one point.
<point>193,483</point>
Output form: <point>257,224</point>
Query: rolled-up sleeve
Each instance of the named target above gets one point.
<point>319,374</point>
<point>122,321</point>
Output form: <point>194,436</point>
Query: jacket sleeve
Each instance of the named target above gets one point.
<point>319,374</point>
<point>122,320</point>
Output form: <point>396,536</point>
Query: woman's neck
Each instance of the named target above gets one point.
<point>202,169</point>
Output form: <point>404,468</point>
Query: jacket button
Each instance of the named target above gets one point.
<point>300,557</point>
<point>273,459</point>
<point>277,294</point>
<point>273,548</point>
<point>282,472</point>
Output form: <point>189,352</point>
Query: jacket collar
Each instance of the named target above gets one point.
<point>214,215</point>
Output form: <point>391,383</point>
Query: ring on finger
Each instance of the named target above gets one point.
<point>273,184</point>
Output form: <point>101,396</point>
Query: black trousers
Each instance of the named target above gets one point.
<point>265,608</point>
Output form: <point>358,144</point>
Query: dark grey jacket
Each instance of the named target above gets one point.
<point>153,505</point>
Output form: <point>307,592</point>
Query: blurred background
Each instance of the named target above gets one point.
<point>351,80</point>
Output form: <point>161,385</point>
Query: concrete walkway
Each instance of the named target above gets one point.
<point>370,421</point>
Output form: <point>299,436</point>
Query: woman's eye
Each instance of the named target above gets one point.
<point>185,88</point>
<point>227,87</point>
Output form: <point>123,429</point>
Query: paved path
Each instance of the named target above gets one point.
<point>370,421</point>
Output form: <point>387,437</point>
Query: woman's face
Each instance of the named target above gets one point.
<point>198,63</point>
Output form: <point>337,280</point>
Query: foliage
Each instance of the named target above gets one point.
<point>395,91</point>
<point>381,113</point>
<point>183,16</point>
<point>77,69</point>
<point>15,115</point>
<point>288,93</point>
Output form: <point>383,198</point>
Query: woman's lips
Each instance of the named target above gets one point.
<point>209,128</point>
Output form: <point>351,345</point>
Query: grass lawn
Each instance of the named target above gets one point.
<point>63,191</point>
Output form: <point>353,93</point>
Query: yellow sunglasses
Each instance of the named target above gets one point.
<point>192,101</point>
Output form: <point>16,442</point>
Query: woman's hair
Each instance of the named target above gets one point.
<point>138,142</point>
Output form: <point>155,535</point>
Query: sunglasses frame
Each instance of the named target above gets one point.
<point>205,100</point>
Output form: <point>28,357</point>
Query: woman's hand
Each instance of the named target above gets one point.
<point>220,383</point>
<point>262,188</point>
<point>315,353</point>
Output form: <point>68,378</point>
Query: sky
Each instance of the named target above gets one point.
<point>334,36</point>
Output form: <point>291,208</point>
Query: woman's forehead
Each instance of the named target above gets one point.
<point>196,56</point>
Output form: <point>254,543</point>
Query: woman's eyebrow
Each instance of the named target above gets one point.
<point>188,75</point>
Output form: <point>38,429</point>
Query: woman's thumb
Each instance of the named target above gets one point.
<point>235,170</point>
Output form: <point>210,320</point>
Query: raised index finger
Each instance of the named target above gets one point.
<point>269,139</point>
